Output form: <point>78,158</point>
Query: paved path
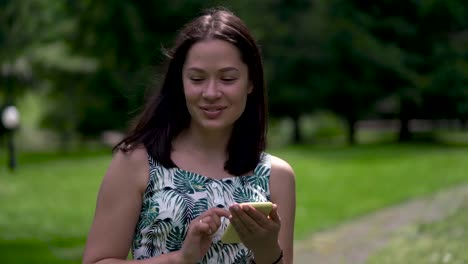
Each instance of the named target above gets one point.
<point>355,241</point>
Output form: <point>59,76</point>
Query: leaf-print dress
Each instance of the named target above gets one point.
<point>174,197</point>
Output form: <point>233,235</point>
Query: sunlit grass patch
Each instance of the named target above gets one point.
<point>441,242</point>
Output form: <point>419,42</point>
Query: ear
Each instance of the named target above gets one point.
<point>250,88</point>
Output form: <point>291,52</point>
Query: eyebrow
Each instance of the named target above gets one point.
<point>225,69</point>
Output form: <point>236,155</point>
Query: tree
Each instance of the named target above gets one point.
<point>348,81</point>
<point>34,51</point>
<point>422,30</point>
<point>289,37</point>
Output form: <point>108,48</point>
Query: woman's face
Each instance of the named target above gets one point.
<point>216,84</point>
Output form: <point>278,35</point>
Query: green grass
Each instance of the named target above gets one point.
<point>337,184</point>
<point>441,242</point>
<point>47,205</point>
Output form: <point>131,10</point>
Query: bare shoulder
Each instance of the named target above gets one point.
<point>131,160</point>
<point>281,169</point>
<point>282,179</point>
<point>134,156</point>
<point>130,166</point>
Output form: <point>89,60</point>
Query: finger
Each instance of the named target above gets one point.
<point>212,218</point>
<point>274,214</point>
<point>216,219</point>
<point>252,215</point>
<point>220,212</point>
<point>257,216</point>
<point>203,227</point>
<point>211,223</point>
<point>242,222</point>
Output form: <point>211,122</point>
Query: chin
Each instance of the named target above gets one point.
<point>215,125</point>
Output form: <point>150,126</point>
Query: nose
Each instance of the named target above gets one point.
<point>211,91</point>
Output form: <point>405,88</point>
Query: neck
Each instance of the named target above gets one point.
<point>203,142</point>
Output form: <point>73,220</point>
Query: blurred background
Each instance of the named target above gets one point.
<point>368,102</point>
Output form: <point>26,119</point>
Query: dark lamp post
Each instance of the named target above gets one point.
<point>10,121</point>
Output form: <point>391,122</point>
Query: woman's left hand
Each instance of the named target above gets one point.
<point>257,232</point>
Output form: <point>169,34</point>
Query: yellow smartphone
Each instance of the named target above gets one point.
<point>230,235</point>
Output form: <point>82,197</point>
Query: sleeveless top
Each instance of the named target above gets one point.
<point>174,197</point>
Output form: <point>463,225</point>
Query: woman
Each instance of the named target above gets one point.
<point>194,155</point>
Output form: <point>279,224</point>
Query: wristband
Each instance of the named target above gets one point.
<point>275,262</point>
<point>279,258</point>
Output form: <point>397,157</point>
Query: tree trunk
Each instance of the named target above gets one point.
<point>464,124</point>
<point>351,136</point>
<point>11,151</point>
<point>406,108</point>
<point>297,136</point>
<point>70,123</point>
<point>405,133</point>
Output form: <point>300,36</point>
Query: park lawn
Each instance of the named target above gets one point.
<point>340,183</point>
<point>441,242</point>
<point>48,204</point>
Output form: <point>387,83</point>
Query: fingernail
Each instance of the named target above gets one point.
<point>246,208</point>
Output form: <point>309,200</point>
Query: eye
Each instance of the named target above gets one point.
<point>196,79</point>
<point>228,79</point>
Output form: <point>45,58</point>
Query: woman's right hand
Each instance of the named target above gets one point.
<point>199,234</point>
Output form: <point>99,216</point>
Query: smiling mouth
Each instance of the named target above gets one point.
<point>212,109</point>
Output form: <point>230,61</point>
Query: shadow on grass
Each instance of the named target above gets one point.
<point>35,251</point>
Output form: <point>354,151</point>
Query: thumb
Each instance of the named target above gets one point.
<point>274,214</point>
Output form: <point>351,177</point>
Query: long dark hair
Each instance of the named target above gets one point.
<point>165,114</point>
